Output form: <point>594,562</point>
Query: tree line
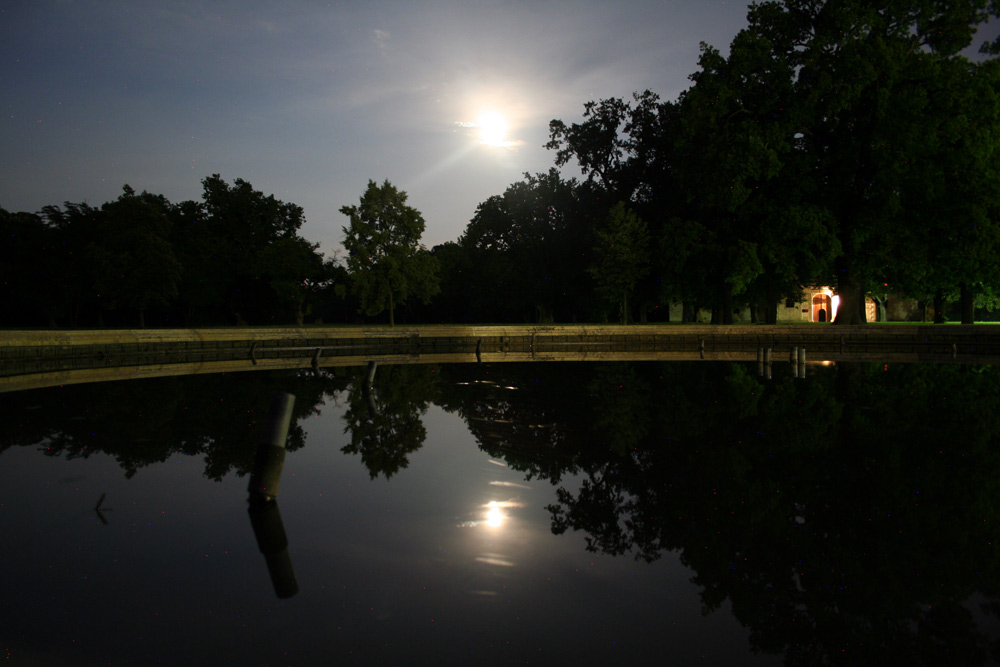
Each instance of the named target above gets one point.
<point>842,143</point>
<point>234,257</point>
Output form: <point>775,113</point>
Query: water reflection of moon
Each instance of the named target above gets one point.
<point>494,517</point>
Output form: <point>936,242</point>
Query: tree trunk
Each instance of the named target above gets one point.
<point>771,298</point>
<point>392,319</point>
<point>625,308</point>
<point>850,291</point>
<point>879,308</point>
<point>968,302</point>
<point>771,312</point>
<point>939,307</point>
<point>688,312</point>
<point>142,319</point>
<point>727,304</point>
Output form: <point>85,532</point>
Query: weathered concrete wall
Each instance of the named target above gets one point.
<point>42,358</point>
<point>26,344</point>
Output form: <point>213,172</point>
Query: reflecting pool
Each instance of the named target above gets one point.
<point>589,513</point>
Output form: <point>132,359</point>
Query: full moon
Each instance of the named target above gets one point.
<point>492,128</point>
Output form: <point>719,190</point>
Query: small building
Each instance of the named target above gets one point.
<point>820,304</point>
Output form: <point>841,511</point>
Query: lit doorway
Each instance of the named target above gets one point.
<point>822,310</point>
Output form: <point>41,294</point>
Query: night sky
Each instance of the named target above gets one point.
<point>310,100</point>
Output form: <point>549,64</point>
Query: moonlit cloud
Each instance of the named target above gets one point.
<point>510,484</point>
<point>381,38</point>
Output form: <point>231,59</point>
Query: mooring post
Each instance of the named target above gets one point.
<point>266,476</point>
<point>265,479</point>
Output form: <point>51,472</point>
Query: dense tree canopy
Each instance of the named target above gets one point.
<point>621,256</point>
<point>526,250</point>
<point>856,80</point>
<point>233,257</point>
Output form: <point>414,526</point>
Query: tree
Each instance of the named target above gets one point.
<point>621,256</point>
<point>623,147</point>
<point>230,242</point>
<point>295,271</point>
<point>74,229</point>
<point>856,71</point>
<point>385,422</point>
<point>953,193</point>
<point>529,247</point>
<point>30,265</point>
<point>385,259</point>
<point>628,151</point>
<point>746,179</point>
<point>135,264</point>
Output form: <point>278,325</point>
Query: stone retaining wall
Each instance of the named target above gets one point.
<point>15,344</point>
<point>32,352</point>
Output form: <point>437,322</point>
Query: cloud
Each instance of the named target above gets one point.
<point>381,38</point>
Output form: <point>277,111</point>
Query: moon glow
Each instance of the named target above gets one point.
<point>492,128</point>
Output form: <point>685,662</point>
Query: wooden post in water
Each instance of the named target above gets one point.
<point>265,519</point>
<point>266,476</point>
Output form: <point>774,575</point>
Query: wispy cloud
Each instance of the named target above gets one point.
<point>381,38</point>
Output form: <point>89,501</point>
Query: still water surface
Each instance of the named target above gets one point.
<point>509,514</point>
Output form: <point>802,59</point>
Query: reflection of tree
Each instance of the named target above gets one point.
<point>522,413</point>
<point>621,406</point>
<point>141,422</point>
<point>386,421</point>
<point>846,518</point>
